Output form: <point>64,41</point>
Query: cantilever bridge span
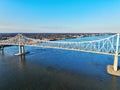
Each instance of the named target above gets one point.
<point>109,45</point>
<point>105,45</point>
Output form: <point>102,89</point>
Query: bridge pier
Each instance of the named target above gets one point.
<point>116,55</point>
<point>113,70</point>
<point>21,50</point>
<point>2,49</point>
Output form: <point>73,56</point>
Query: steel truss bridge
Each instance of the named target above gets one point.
<point>109,45</point>
<point>105,45</point>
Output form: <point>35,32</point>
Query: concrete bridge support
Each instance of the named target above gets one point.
<point>115,66</point>
<point>21,49</point>
<point>2,49</point>
<point>113,70</point>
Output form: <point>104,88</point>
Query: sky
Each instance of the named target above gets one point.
<point>59,16</point>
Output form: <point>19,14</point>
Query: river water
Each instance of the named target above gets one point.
<point>55,69</point>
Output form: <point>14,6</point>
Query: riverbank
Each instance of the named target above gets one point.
<point>51,36</point>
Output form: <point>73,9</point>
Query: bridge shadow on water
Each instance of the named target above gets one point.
<point>22,58</point>
<point>22,62</point>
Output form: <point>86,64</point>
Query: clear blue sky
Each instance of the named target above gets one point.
<point>59,16</point>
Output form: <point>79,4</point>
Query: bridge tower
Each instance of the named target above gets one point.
<point>21,47</point>
<point>113,70</point>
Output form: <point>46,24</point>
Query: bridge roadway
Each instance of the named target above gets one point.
<point>103,46</point>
